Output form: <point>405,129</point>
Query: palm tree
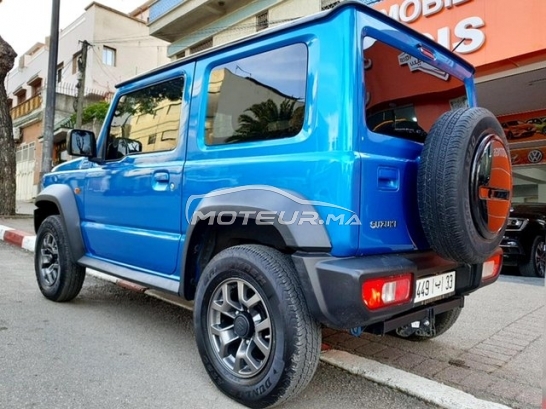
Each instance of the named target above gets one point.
<point>269,121</point>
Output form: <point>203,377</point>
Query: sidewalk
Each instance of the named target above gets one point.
<point>491,360</point>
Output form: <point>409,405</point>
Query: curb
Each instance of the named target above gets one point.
<point>417,386</point>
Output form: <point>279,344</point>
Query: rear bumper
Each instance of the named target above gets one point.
<point>333,286</point>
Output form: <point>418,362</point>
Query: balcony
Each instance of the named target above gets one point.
<point>26,107</point>
<point>162,7</point>
<point>171,20</point>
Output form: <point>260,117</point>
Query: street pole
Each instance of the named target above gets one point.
<point>49,116</point>
<point>82,65</point>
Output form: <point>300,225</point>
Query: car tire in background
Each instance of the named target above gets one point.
<point>465,185</point>
<point>535,265</point>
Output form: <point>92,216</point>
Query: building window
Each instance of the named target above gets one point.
<point>75,62</point>
<point>203,45</point>
<point>60,73</point>
<point>328,4</point>
<point>262,20</point>
<point>36,87</point>
<point>109,56</point>
<point>21,95</point>
<point>261,97</point>
<point>157,107</point>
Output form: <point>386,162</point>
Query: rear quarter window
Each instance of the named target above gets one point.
<point>256,98</point>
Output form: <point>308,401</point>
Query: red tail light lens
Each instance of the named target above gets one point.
<point>387,291</point>
<point>492,266</point>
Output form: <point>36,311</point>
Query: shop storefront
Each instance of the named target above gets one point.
<point>506,41</point>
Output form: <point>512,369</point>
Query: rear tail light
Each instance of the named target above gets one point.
<point>492,266</point>
<point>387,291</point>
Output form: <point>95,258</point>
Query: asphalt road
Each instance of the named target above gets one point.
<point>112,348</point>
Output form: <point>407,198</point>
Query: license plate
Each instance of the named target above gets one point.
<point>434,286</point>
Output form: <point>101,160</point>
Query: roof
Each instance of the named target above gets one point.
<point>300,22</point>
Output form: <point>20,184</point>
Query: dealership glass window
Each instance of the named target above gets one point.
<point>258,97</point>
<point>405,95</point>
<point>141,116</point>
<point>109,56</point>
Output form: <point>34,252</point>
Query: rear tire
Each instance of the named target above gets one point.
<point>535,266</point>
<point>59,277</point>
<point>442,322</point>
<point>255,334</point>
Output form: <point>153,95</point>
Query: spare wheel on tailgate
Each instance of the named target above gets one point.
<point>465,185</point>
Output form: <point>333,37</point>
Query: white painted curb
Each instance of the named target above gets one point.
<point>414,385</point>
<point>4,229</point>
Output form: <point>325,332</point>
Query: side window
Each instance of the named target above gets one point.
<point>405,95</point>
<point>146,120</point>
<point>258,97</point>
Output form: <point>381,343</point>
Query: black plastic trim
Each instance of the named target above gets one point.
<point>256,198</point>
<point>332,286</point>
<point>63,197</point>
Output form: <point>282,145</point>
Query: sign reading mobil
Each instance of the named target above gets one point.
<point>481,30</point>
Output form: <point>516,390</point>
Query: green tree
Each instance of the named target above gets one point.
<point>96,111</point>
<point>269,121</point>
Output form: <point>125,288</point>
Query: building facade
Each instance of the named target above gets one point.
<point>503,39</point>
<point>120,47</point>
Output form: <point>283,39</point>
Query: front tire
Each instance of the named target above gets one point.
<point>59,277</point>
<point>256,337</point>
<point>535,265</point>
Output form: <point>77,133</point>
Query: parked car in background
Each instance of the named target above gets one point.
<point>524,241</point>
<point>539,124</point>
<point>518,129</point>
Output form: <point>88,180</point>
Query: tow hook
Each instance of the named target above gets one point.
<point>425,327</point>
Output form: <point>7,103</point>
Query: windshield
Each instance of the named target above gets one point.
<point>404,95</point>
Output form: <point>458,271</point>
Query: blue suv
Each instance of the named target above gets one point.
<point>331,171</point>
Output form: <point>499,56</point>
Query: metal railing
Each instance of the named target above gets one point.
<point>162,7</point>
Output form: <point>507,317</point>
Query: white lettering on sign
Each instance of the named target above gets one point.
<point>410,10</point>
<point>468,29</point>
<point>417,65</point>
<point>466,33</point>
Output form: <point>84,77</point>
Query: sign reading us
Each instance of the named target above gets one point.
<point>466,35</point>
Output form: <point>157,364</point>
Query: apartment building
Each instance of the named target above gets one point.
<point>193,25</point>
<point>121,47</point>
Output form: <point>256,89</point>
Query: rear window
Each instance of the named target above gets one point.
<point>255,98</point>
<point>404,95</point>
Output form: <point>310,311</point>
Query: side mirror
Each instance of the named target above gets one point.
<point>80,142</point>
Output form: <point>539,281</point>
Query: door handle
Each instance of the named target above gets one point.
<point>161,177</point>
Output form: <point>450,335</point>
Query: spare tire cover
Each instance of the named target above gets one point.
<point>465,185</point>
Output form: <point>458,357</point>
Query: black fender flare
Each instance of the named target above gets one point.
<point>251,200</point>
<point>62,197</point>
